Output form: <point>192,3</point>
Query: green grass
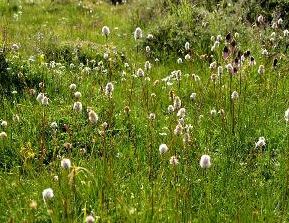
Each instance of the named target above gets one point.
<point>121,176</point>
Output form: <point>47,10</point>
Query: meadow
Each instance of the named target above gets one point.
<point>144,111</point>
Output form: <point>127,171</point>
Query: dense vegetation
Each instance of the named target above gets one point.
<point>144,111</point>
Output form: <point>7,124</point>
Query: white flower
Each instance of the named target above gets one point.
<point>280,21</point>
<point>178,130</point>
<point>77,94</point>
<point>47,194</point>
<point>137,33</point>
<point>171,108</point>
<point>174,160</point>
<point>140,72</point>
<point>148,65</point>
<point>152,116</point>
<point>65,163</point>
<point>187,45</point>
<point>89,219</point>
<point>163,148</point>
<point>148,49</point>
<point>235,95</point>
<point>45,100</point>
<point>77,106</point>
<point>3,135</point>
<point>177,103</point>
<point>181,113</point>
<point>53,125</point>
<point>205,161</point>
<point>109,88</point>
<point>193,96</point>
<point>92,116</point>
<point>180,60</point>
<point>72,87</point>
<point>150,36</point>
<point>39,97</point>
<point>220,70</point>
<point>261,142</point>
<point>287,115</point>
<point>260,19</point>
<point>213,112</point>
<point>261,69</point>
<point>286,32</point>
<point>187,57</point>
<point>15,47</point>
<point>4,124</point>
<point>274,25</point>
<point>105,31</point>
<point>264,52</point>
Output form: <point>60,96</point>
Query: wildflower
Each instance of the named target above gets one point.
<point>93,117</point>
<point>4,124</point>
<point>150,36</point>
<point>140,72</point>
<point>180,60</point>
<point>104,125</point>
<point>53,125</point>
<point>44,100</point>
<point>47,194</point>
<point>3,135</point>
<point>105,31</point>
<point>15,47</point>
<point>214,77</point>
<point>236,35</point>
<point>148,65</point>
<point>187,46</point>
<point>205,161</point>
<point>252,61</point>
<point>187,138</point>
<point>264,52</point>
<point>89,219</point>
<point>77,95</point>
<point>77,106</point>
<point>280,21</point>
<point>39,97</point>
<point>72,87</point>
<point>152,116</point>
<point>261,69</point>
<point>230,68</point>
<point>177,103</point>
<point>220,70</point>
<point>163,148</point>
<point>109,88</point>
<point>181,113</point>
<point>187,57</point>
<point>148,49</point>
<point>286,32</point>
<point>171,108</point>
<point>137,33</point>
<point>225,52</point>
<point>33,205</point>
<point>213,112</point>
<point>234,95</point>
<point>213,65</point>
<point>174,160</point>
<point>287,115</point>
<point>178,130</point>
<point>221,112</point>
<point>274,25</point>
<point>16,118</point>
<point>65,163</point>
<point>261,142</point>
<point>219,38</point>
<point>193,96</point>
<point>260,19</point>
<point>228,37</point>
<point>127,109</point>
